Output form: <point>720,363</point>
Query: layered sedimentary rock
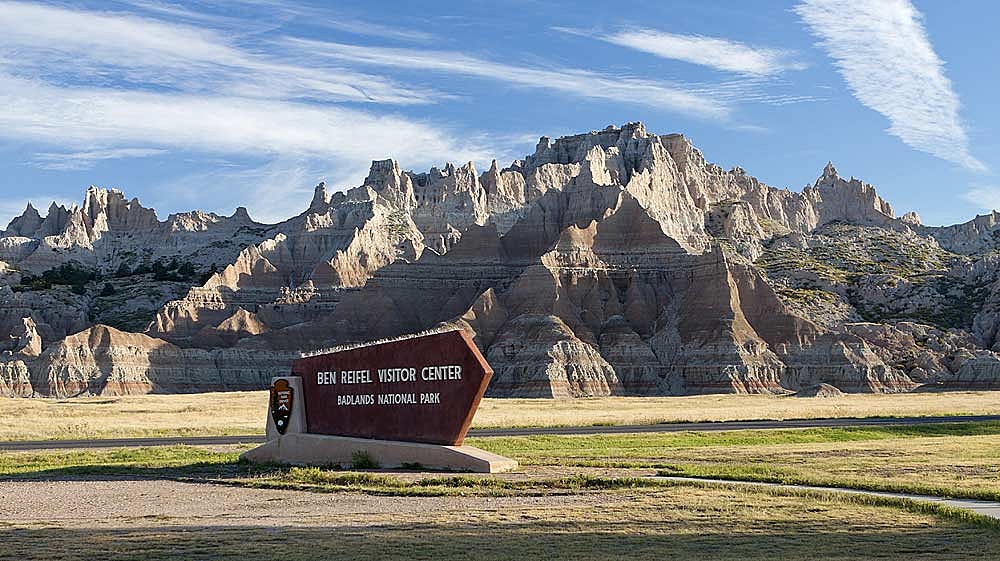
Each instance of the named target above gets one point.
<point>585,295</point>
<point>336,244</point>
<point>616,262</point>
<point>102,360</point>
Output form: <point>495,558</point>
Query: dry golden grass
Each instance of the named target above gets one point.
<point>131,416</point>
<point>648,410</point>
<point>243,412</point>
<point>675,523</point>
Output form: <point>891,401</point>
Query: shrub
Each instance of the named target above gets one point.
<point>108,290</point>
<point>186,270</point>
<point>71,273</point>
<point>362,459</point>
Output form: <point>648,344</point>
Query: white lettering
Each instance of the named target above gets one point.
<point>355,376</point>
<point>438,373</point>
<point>390,375</point>
<point>397,399</point>
<point>430,398</point>
<point>359,399</point>
<point>326,378</point>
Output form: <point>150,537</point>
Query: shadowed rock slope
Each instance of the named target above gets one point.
<point>617,262</point>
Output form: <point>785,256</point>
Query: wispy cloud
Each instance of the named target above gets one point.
<point>713,52</point>
<point>64,161</point>
<point>83,117</point>
<point>883,53</point>
<point>148,53</point>
<point>985,198</point>
<point>573,82</point>
<point>133,87</point>
<point>371,29</point>
<point>272,192</point>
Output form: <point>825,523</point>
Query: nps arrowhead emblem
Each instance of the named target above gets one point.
<point>281,405</point>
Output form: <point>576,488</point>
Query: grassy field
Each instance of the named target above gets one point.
<point>662,524</point>
<point>243,412</point>
<point>697,408</point>
<point>620,514</point>
<point>139,415</point>
<point>959,460</point>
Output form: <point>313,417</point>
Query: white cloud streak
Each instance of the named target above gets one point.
<point>360,27</point>
<point>883,53</point>
<point>273,192</point>
<point>84,117</point>
<point>66,161</point>
<point>569,81</point>
<point>985,198</point>
<point>712,52</point>
<point>67,44</point>
<point>99,85</point>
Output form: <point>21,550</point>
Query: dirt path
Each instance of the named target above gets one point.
<point>163,501</point>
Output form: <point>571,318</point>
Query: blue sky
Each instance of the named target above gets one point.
<point>212,105</point>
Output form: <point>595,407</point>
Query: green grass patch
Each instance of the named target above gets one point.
<point>786,476</point>
<point>154,461</point>
<point>950,460</point>
<point>552,449</point>
<point>330,481</point>
<point>909,505</point>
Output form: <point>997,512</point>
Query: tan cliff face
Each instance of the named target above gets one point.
<point>616,262</point>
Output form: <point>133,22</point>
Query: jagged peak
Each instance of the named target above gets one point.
<point>241,214</point>
<point>911,218</point>
<point>829,174</point>
<point>631,138</point>
<point>321,199</point>
<point>635,129</point>
<point>25,224</point>
<point>380,169</point>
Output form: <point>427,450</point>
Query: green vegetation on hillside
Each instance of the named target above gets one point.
<point>879,275</point>
<point>70,274</point>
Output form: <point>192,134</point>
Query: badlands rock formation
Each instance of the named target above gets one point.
<point>108,231</point>
<point>613,262</point>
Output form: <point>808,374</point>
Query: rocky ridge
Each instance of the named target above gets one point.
<point>613,262</point>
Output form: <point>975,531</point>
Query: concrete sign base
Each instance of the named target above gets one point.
<point>322,449</point>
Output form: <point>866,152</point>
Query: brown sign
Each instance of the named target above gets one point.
<point>424,389</point>
<point>281,405</point>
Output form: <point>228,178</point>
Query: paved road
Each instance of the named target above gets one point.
<point>531,431</point>
<point>986,508</point>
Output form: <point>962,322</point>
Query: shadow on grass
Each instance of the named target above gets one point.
<point>576,538</point>
<point>206,471</point>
